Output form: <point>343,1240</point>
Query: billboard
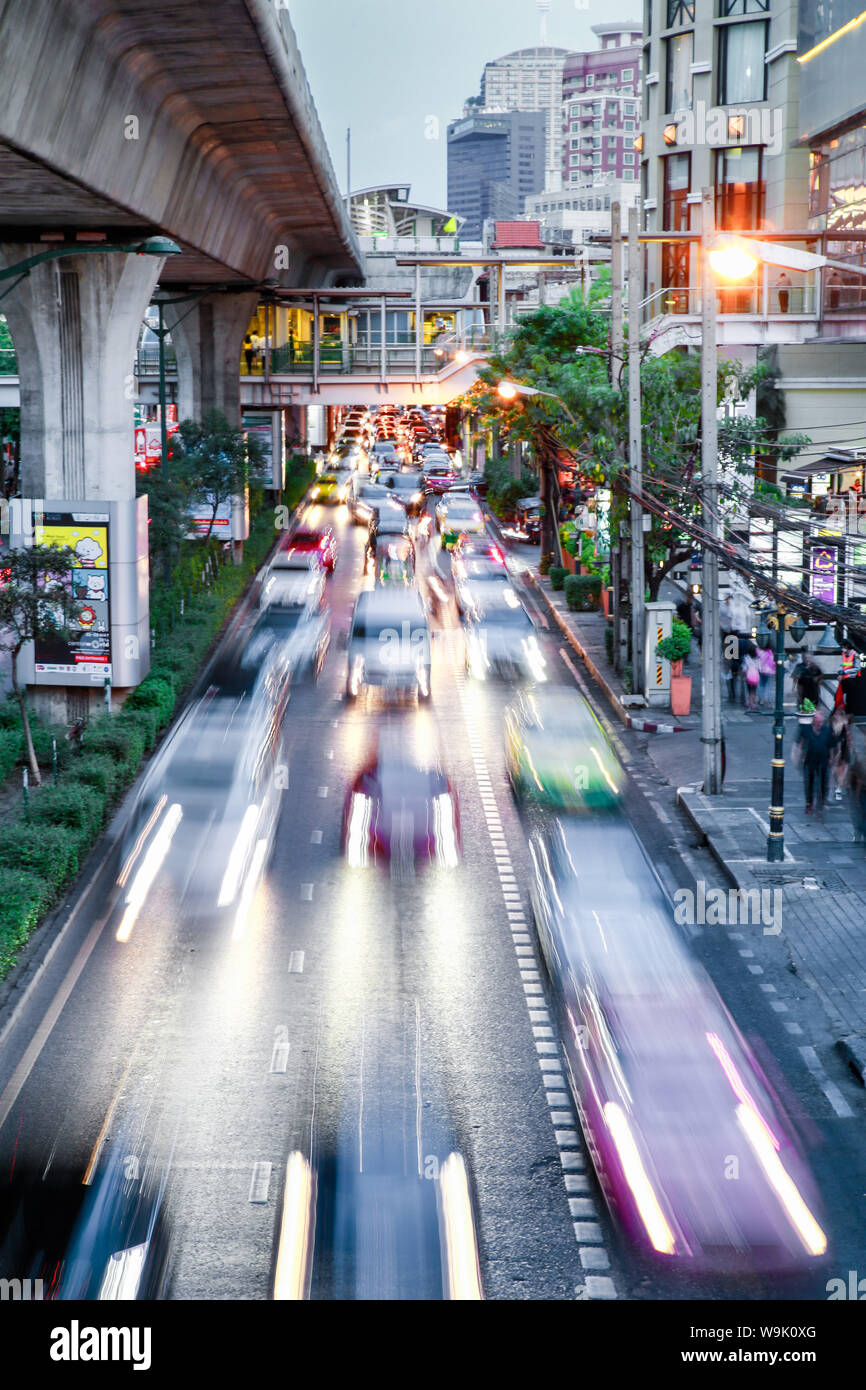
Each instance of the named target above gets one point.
<point>88,650</point>
<point>822,572</point>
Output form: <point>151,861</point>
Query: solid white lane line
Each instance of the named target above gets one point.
<point>296,963</point>
<point>307,892</point>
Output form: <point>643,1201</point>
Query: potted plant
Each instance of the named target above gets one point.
<point>675,649</point>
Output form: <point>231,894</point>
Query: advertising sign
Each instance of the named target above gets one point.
<point>88,650</point>
<point>148,439</point>
<point>822,572</point>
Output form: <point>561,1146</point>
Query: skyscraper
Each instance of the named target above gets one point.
<point>529,79</point>
<point>495,161</point>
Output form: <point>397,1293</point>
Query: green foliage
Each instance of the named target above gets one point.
<point>23,898</point>
<point>678,645</point>
<point>71,803</point>
<point>582,592</point>
<point>504,491</point>
<point>557,576</point>
<point>11,750</point>
<point>120,739</point>
<point>49,851</point>
<point>544,564</point>
<point>608,643</point>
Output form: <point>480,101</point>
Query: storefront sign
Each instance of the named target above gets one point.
<point>822,573</point>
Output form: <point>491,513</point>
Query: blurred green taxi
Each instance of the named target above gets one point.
<point>557,754</point>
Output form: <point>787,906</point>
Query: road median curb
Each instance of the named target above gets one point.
<point>576,646</point>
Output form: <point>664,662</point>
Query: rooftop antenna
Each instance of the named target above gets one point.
<point>543,7</point>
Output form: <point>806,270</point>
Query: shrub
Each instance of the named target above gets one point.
<point>582,592</point>
<point>23,897</point>
<point>678,645</point>
<point>144,720</point>
<point>49,852</point>
<point>42,746</point>
<point>120,739</point>
<point>544,564</point>
<point>101,772</point>
<point>71,803</point>
<point>156,693</point>
<point>557,576</point>
<point>11,749</point>
<point>608,643</point>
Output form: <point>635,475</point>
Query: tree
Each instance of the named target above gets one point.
<point>36,605</point>
<point>215,460</point>
<point>565,350</point>
<point>168,501</point>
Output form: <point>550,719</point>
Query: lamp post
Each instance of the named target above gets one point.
<point>509,391</point>
<point>781,620</point>
<point>150,246</point>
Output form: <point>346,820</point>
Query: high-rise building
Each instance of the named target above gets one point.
<point>720,106</point>
<point>495,161</point>
<point>600,106</point>
<point>529,80</point>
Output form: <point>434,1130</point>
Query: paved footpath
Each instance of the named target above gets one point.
<point>823,877</point>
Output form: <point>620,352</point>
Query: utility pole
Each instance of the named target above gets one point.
<point>616,308</point>
<point>638,581</point>
<point>349,162</point>
<point>711,734</point>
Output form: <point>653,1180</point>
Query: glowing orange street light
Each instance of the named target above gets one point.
<point>508,391</point>
<point>733,263</point>
<point>461,357</point>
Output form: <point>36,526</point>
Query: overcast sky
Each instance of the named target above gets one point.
<point>384,67</point>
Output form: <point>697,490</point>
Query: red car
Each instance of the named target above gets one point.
<point>398,808</point>
<point>439,480</point>
<point>319,541</point>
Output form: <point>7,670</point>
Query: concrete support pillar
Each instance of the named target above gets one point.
<point>75,324</point>
<point>208,336</point>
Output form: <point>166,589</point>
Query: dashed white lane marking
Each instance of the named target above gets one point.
<point>830,1089</point>
<point>280,1054</point>
<point>261,1181</point>
<point>296,963</point>
<point>794,1029</point>
<point>323,791</point>
<point>307,892</point>
<point>662,814</point>
<point>755,969</point>
<point>316,837</point>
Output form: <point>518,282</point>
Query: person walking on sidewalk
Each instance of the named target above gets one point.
<point>815,744</point>
<point>767,665</point>
<point>808,675</point>
<point>752,677</point>
<point>842,751</point>
<point>856,787</point>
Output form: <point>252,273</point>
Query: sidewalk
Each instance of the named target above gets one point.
<point>823,877</point>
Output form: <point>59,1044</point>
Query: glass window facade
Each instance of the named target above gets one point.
<point>739,188</point>
<point>742,70</point>
<point>678,83</point>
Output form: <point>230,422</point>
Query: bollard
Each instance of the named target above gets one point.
<point>25,787</point>
<point>108,695</point>
<point>54,760</point>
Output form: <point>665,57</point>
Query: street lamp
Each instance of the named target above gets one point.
<point>149,246</point>
<point>781,620</point>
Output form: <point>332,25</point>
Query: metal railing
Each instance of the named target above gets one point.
<point>764,300</point>
<point>147,361</point>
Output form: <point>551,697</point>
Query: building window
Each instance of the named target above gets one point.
<point>628,157</point>
<point>647,17</point>
<point>596,125</point>
<point>596,142</point>
<point>742,70</point>
<point>596,158</point>
<point>680,12</point>
<point>628,74</point>
<point>739,188</point>
<point>628,125</point>
<point>596,108</point>
<point>678,85</point>
<point>675,218</point>
<point>629,108</point>
<point>731,7</point>
<point>590,79</point>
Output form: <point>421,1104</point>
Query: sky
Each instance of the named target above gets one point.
<point>397,71</point>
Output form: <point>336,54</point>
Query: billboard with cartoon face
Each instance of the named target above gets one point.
<point>88,652</point>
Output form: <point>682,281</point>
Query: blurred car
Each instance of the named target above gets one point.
<point>365,499</point>
<point>501,637</point>
<point>458,515</point>
<point>394,560</point>
<point>438,477</point>
<point>326,488</point>
<point>385,451</point>
<point>389,644</point>
<point>319,543</point>
<point>303,633</point>
<point>472,571</point>
<point>525,525</point>
<point>558,755</point>
<point>388,520</point>
<point>407,489</point>
<point>667,1088</point>
<point>399,807</point>
<point>294,579</point>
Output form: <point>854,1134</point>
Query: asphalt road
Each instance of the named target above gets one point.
<point>369,1021</point>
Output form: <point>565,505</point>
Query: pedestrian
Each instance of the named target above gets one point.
<point>808,677</point>
<point>856,787</point>
<point>815,744</point>
<point>752,678</point>
<point>783,288</point>
<point>842,750</point>
<point>834,285</point>
<point>249,353</point>
<point>256,345</point>
<point>767,665</point>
